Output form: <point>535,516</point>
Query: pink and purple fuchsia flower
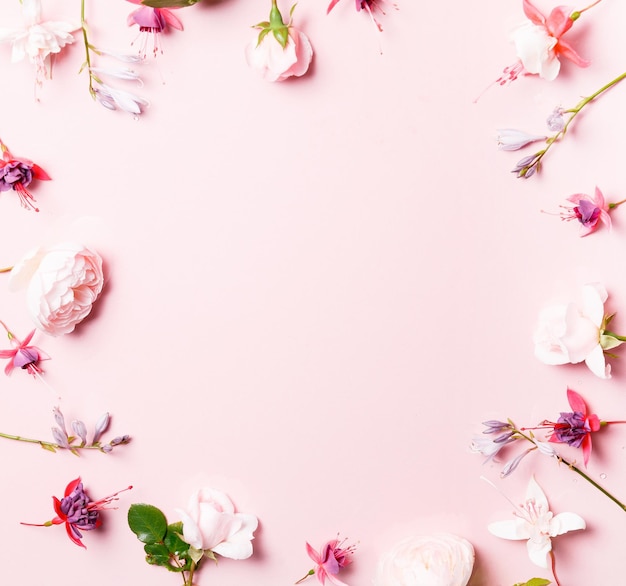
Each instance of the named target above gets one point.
<point>17,174</point>
<point>370,6</point>
<point>22,355</point>
<point>329,561</point>
<point>77,511</point>
<point>152,22</point>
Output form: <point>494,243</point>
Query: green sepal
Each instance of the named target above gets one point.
<point>197,554</point>
<point>608,342</point>
<point>264,24</point>
<point>262,35</point>
<point>48,447</point>
<point>534,582</point>
<point>147,522</point>
<point>282,36</point>
<point>169,3</point>
<point>278,26</point>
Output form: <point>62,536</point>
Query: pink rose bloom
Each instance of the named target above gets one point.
<point>210,523</point>
<point>277,64</point>
<point>569,333</point>
<point>280,50</point>
<point>62,282</point>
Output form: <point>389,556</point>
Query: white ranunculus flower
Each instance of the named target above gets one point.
<point>62,282</point>
<point>438,560</point>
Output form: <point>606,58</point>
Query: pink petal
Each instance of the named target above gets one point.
<point>586,445</point>
<point>576,402</point>
<point>331,6</point>
<point>533,13</point>
<point>313,554</point>
<point>559,21</point>
<point>565,50</point>
<point>171,20</point>
<point>597,364</point>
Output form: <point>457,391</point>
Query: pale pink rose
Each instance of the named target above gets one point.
<point>439,560</point>
<point>62,282</point>
<point>572,333</point>
<point>210,523</point>
<point>275,63</point>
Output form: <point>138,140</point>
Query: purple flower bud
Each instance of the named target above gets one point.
<point>58,417</point>
<point>495,426</point>
<point>101,426</point>
<point>60,437</point>
<point>79,428</point>
<point>504,437</point>
<point>107,449</point>
<point>511,465</point>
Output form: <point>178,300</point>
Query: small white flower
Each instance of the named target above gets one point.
<point>535,522</point>
<point>113,99</point>
<point>510,139</point>
<point>37,40</point>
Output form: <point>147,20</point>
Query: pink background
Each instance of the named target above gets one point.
<point>316,290</point>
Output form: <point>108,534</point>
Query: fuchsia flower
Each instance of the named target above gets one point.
<point>536,523</point>
<point>38,40</point>
<point>152,22</point>
<point>17,174</point>
<point>370,6</point>
<point>539,43</point>
<point>280,50</point>
<point>77,511</point>
<point>22,355</point>
<point>329,560</point>
<point>589,210</point>
<point>574,429</point>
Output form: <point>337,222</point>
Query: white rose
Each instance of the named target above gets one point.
<point>62,282</point>
<point>210,523</point>
<point>439,560</point>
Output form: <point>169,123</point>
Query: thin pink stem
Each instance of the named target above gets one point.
<point>588,7</point>
<point>554,568</point>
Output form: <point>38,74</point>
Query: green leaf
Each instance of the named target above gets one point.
<point>157,554</point>
<point>534,582</point>
<point>173,541</point>
<point>147,522</point>
<point>169,3</point>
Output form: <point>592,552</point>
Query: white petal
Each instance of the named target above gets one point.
<point>581,337</point>
<point>547,337</point>
<point>594,295</point>
<point>564,522</point>
<point>596,363</point>
<point>538,551</point>
<point>534,492</point>
<point>510,529</point>
<point>238,546</point>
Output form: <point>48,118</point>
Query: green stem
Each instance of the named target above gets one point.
<point>621,338</point>
<point>189,581</point>
<point>45,444</point>
<point>574,112</point>
<point>617,203</point>
<point>87,64</point>
<point>309,573</point>
<point>577,470</point>
<point>593,482</point>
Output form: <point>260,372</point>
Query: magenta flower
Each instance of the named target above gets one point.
<point>329,560</point>
<point>370,6</point>
<point>589,210</point>
<point>22,355</point>
<point>152,22</point>
<point>17,174</point>
<point>77,511</point>
<point>575,428</point>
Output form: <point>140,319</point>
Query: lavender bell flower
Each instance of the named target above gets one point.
<point>510,139</point>
<point>101,426</point>
<point>79,428</point>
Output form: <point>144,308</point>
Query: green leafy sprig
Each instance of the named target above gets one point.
<point>163,543</point>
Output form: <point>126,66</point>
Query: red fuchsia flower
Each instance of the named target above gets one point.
<point>22,355</point>
<point>17,174</point>
<point>329,560</point>
<point>78,511</point>
<point>152,22</point>
<point>575,428</point>
<point>370,6</point>
<point>589,210</point>
<point>539,43</point>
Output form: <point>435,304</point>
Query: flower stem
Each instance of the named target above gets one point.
<point>87,64</point>
<point>613,335</point>
<point>189,581</point>
<point>309,573</point>
<point>617,203</point>
<point>593,483</point>
<point>553,558</point>
<point>6,270</point>
<point>51,446</point>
